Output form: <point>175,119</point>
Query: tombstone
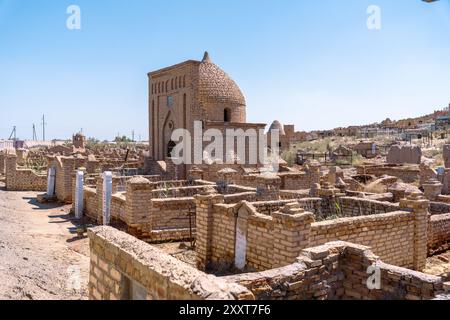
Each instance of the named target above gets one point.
<point>240,252</point>
<point>51,181</point>
<point>79,182</point>
<point>107,193</point>
<point>404,154</point>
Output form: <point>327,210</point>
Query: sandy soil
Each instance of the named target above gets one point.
<point>41,256</point>
<point>439,265</point>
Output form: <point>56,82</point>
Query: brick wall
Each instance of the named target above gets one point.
<point>2,163</point>
<point>338,271</point>
<point>22,179</point>
<point>352,206</point>
<point>391,235</point>
<point>120,262</point>
<point>399,237</point>
<point>407,174</point>
<point>439,233</point>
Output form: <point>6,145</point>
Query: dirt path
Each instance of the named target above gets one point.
<point>40,255</point>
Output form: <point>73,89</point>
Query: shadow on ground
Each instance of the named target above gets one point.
<point>41,206</point>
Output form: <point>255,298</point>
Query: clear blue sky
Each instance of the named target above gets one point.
<point>310,63</point>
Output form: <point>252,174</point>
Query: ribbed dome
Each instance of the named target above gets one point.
<point>276,125</point>
<point>215,86</point>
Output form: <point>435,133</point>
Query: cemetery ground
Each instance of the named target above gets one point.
<point>41,256</point>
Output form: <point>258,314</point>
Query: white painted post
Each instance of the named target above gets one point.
<point>107,193</point>
<point>240,252</point>
<point>79,194</point>
<point>51,181</point>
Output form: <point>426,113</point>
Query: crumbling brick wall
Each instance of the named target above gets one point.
<point>406,173</point>
<point>352,206</point>
<point>399,237</point>
<point>120,264</point>
<point>22,179</point>
<point>338,271</point>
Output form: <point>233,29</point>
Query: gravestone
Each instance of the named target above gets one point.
<point>79,182</point>
<point>107,193</point>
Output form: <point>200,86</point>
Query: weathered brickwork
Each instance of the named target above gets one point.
<point>398,237</point>
<point>22,179</point>
<point>390,235</point>
<point>406,173</point>
<point>338,271</point>
<point>439,233</point>
<point>120,263</point>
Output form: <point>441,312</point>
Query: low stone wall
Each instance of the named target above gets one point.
<point>2,163</point>
<point>123,267</point>
<point>238,197</point>
<point>352,206</point>
<point>407,174</point>
<point>295,181</point>
<point>338,271</point>
<point>175,213</point>
<point>260,236</point>
<point>390,235</point>
<point>117,210</point>
<point>90,202</point>
<point>22,179</point>
<point>439,233</point>
<point>439,207</point>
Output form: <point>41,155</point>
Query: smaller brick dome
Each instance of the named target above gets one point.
<point>276,125</point>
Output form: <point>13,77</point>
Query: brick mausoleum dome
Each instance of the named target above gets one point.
<point>216,86</point>
<point>276,125</point>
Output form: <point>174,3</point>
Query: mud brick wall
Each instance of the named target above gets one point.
<point>294,194</point>
<point>271,240</point>
<point>2,163</point>
<point>177,192</point>
<point>391,235</point>
<point>439,207</point>
<point>120,261</point>
<point>295,181</point>
<point>238,197</point>
<point>157,236</point>
<point>338,271</point>
<point>215,232</point>
<point>396,283</point>
<point>118,201</point>
<point>64,179</point>
<point>90,202</point>
<point>22,179</point>
<point>172,213</point>
<point>399,237</point>
<point>439,233</point>
<point>352,206</point>
<point>407,174</point>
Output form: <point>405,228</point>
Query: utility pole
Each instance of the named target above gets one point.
<point>13,134</point>
<point>34,133</point>
<point>43,127</point>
